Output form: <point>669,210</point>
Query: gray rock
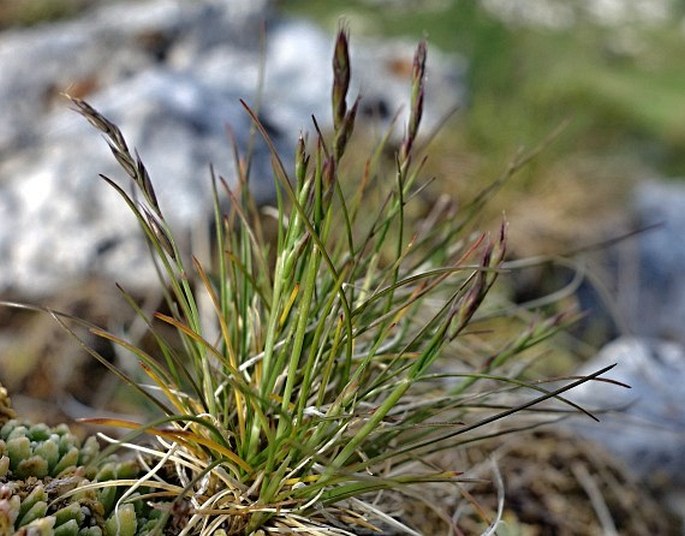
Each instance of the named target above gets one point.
<point>638,286</point>
<point>68,224</point>
<point>107,46</point>
<point>657,307</point>
<point>135,61</point>
<point>642,276</point>
<point>644,425</point>
<point>170,74</point>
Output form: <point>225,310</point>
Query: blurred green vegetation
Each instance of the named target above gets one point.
<point>622,88</point>
<point>30,12</point>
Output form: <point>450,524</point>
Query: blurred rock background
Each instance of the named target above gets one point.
<point>170,74</point>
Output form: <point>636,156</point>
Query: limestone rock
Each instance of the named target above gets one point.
<point>170,74</point>
<point>644,425</point>
<point>58,222</point>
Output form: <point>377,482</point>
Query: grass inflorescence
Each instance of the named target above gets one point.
<point>314,388</point>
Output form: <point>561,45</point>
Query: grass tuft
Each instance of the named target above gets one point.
<point>352,344</point>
